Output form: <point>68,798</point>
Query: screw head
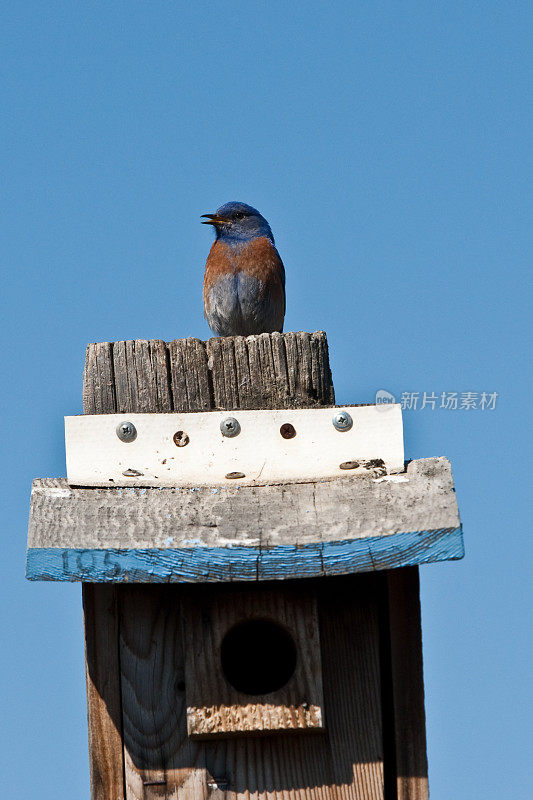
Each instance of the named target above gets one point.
<point>349,465</point>
<point>180,439</point>
<point>342,421</point>
<point>287,430</point>
<point>126,431</point>
<point>230,427</point>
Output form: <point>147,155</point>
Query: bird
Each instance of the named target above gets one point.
<point>244,281</point>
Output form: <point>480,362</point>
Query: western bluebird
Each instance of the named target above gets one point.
<point>244,282</point>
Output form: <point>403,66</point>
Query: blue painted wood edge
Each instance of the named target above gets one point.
<point>211,564</point>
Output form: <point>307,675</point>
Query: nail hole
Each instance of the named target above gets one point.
<point>232,475</point>
<point>287,431</point>
<point>180,686</point>
<point>349,465</point>
<point>258,656</point>
<point>180,439</point>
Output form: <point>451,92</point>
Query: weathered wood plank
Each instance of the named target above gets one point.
<point>407,684</point>
<point>289,370</point>
<point>281,515</point>
<point>99,396</point>
<point>214,706</point>
<point>190,376</point>
<point>349,627</point>
<point>102,662</point>
<point>244,533</point>
<point>141,372</point>
<point>217,565</point>
<point>160,759</point>
<point>104,704</point>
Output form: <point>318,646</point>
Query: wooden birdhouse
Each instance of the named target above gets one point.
<point>249,555</point>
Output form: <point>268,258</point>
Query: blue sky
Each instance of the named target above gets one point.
<point>389,146</point>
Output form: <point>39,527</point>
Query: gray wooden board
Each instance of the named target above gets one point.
<point>244,533</point>
<point>270,370</point>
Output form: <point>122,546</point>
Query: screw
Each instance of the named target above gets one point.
<point>181,439</point>
<point>342,421</point>
<point>287,430</point>
<point>233,475</point>
<point>126,431</point>
<point>222,784</point>
<point>230,427</point>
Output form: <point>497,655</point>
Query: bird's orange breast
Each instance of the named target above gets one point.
<point>257,259</point>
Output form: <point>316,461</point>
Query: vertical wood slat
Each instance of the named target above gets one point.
<point>160,760</point>
<point>189,375</point>
<point>141,376</point>
<point>344,762</point>
<point>99,380</point>
<point>104,703</point>
<point>100,609</point>
<point>407,683</point>
<point>352,684</point>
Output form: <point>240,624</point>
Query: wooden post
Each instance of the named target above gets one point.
<point>373,746</point>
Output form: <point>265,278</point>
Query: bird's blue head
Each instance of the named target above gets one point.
<point>237,222</point>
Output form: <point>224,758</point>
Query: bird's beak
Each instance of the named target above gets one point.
<point>213,219</point>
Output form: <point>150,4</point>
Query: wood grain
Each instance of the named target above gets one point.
<point>141,371</point>
<point>349,626</point>
<point>214,707</point>
<point>407,684</point>
<point>104,703</point>
<point>289,370</point>
<point>244,533</point>
<point>189,375</point>
<point>285,515</point>
<point>160,761</point>
<point>99,395</point>
<point>345,761</point>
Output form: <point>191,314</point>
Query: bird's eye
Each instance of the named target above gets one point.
<point>240,216</point>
